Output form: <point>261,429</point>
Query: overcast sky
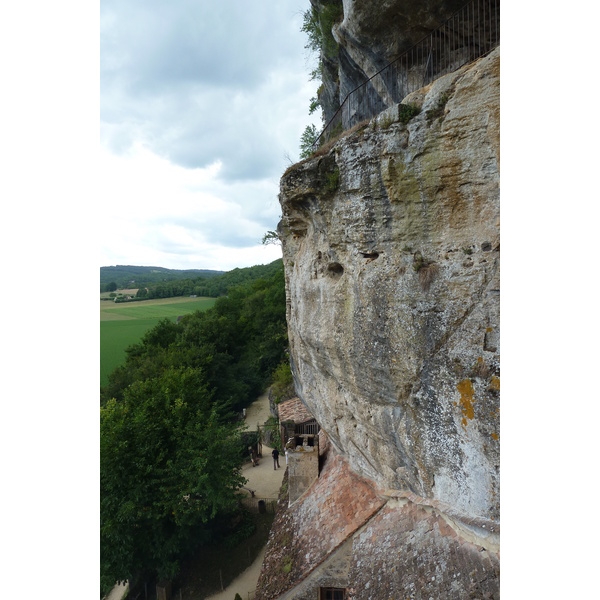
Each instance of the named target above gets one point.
<point>202,108</point>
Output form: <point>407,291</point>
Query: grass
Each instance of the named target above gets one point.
<point>124,324</point>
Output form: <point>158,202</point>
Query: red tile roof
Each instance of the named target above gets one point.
<point>294,410</point>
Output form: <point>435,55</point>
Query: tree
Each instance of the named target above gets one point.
<point>271,237</point>
<point>307,141</point>
<point>169,465</point>
<point>111,287</point>
<point>170,450</point>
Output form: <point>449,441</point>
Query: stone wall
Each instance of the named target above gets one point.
<point>309,533</point>
<point>409,551</point>
<point>391,250</point>
<point>303,468</point>
<point>368,40</point>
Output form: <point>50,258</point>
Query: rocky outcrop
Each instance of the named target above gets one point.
<point>391,252</point>
<point>368,39</point>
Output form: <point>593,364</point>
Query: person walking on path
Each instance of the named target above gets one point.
<point>275,455</point>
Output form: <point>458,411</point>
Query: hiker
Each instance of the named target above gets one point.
<point>275,455</point>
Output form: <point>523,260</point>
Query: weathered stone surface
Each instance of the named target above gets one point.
<point>347,534</point>
<point>391,251</point>
<point>313,528</point>
<point>410,552</point>
<point>369,39</point>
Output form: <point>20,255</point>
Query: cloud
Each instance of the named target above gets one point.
<point>196,82</point>
<point>156,212</point>
<point>202,108</point>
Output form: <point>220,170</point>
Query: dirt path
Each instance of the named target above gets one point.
<point>118,591</point>
<point>265,481</point>
<point>258,412</point>
<point>244,584</point>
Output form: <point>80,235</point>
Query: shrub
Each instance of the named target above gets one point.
<point>438,110</point>
<point>282,387</point>
<point>407,111</point>
<point>333,180</point>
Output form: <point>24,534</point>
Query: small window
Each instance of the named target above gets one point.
<point>332,594</point>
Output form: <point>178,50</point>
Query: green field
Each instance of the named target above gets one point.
<point>124,324</point>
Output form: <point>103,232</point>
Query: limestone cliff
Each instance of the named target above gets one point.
<point>368,38</point>
<point>391,251</point>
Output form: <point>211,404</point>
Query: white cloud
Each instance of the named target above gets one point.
<point>156,213</point>
<point>202,108</point>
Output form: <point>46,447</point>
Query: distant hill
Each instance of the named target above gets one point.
<point>220,286</point>
<point>157,282</point>
<point>129,276</point>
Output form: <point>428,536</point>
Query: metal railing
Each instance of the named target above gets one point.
<point>470,33</point>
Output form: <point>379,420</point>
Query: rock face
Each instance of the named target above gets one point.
<point>369,39</point>
<point>391,251</point>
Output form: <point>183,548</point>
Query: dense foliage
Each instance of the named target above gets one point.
<point>238,343</point>
<point>169,464</point>
<point>213,287</point>
<point>170,445</point>
<point>317,23</point>
<point>129,276</point>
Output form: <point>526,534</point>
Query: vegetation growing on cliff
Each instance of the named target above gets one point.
<point>407,112</point>
<point>307,141</point>
<point>317,24</point>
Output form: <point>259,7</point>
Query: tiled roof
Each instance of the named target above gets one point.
<point>294,410</point>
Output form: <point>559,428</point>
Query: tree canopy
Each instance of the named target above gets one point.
<point>169,464</point>
<point>171,447</point>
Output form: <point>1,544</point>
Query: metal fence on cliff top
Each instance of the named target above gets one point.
<point>470,33</point>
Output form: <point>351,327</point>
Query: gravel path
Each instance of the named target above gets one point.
<point>118,592</point>
<point>265,481</point>
<point>244,584</point>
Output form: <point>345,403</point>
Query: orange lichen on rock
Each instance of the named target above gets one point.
<point>465,387</point>
<point>495,436</point>
<point>495,383</point>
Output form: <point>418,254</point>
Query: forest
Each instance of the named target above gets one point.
<point>130,276</point>
<point>170,283</point>
<point>170,433</point>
